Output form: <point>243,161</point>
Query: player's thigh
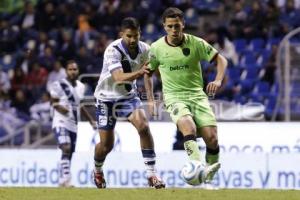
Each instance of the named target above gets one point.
<point>107,137</point>
<point>66,139</point>
<point>202,112</point>
<point>178,110</point>
<point>139,120</point>
<point>209,135</point>
<point>182,116</point>
<point>105,115</point>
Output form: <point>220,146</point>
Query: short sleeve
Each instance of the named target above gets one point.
<point>154,63</point>
<point>112,58</point>
<point>55,90</point>
<point>205,50</point>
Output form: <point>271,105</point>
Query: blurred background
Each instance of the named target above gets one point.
<point>260,39</point>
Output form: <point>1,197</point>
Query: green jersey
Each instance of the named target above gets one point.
<point>180,66</point>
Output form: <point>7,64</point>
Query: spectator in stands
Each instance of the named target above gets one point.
<point>28,17</point>
<point>18,80</point>
<point>67,49</point>
<point>4,81</point>
<point>270,67</point>
<point>47,17</point>
<point>36,80</point>
<point>21,104</point>
<point>8,37</point>
<point>47,59</point>
<point>56,74</point>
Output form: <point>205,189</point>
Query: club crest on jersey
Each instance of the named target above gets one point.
<point>186,51</point>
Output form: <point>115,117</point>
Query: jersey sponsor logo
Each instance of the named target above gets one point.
<point>102,120</point>
<point>179,67</point>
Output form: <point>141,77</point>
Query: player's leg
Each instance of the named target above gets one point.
<point>139,120</point>
<point>181,115</point>
<point>207,129</point>
<point>210,137</point>
<point>64,140</point>
<point>105,123</point>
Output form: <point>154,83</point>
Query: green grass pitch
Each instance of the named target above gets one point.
<point>144,194</point>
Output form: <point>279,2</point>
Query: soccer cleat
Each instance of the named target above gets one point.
<point>209,186</point>
<point>156,182</point>
<point>210,171</point>
<point>99,180</point>
<point>66,184</point>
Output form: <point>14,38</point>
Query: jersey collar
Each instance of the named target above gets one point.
<point>126,48</point>
<point>182,41</point>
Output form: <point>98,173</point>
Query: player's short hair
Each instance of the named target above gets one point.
<point>70,62</point>
<point>172,12</point>
<point>130,23</point>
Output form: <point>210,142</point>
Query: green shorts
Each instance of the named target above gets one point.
<point>198,107</point>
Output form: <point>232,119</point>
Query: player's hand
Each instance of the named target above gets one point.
<point>152,108</point>
<point>212,87</point>
<point>145,69</point>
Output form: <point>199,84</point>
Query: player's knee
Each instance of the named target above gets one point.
<point>212,141</point>
<point>143,128</point>
<point>66,149</point>
<point>186,125</point>
<point>107,147</point>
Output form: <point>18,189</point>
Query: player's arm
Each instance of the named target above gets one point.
<point>148,82</point>
<point>119,75</point>
<point>89,117</point>
<point>59,108</point>
<point>213,86</point>
<point>153,65</point>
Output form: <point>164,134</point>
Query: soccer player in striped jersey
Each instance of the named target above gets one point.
<point>66,95</point>
<point>177,56</point>
<point>124,61</point>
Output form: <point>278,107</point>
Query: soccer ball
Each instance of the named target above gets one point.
<point>192,172</point>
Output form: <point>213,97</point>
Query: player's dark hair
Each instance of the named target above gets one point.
<point>130,23</point>
<point>172,12</point>
<point>70,62</point>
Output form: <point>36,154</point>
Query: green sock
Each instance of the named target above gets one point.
<point>212,155</point>
<point>211,159</point>
<point>192,149</point>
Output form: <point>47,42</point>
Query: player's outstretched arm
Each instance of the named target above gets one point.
<point>88,116</point>
<point>119,75</point>
<point>149,90</point>
<point>61,109</point>
<point>213,86</point>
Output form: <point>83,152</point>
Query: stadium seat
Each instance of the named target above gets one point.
<point>248,58</point>
<point>271,42</point>
<point>3,132</point>
<point>191,18</point>
<point>234,74</point>
<point>270,105</point>
<point>257,44</point>
<point>7,62</point>
<point>263,57</point>
<point>240,45</point>
<point>250,72</point>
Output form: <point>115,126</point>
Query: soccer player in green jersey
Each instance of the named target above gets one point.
<point>177,56</point>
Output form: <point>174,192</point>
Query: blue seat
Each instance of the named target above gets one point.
<point>191,18</point>
<point>257,44</point>
<point>263,57</point>
<point>252,72</point>
<point>248,58</point>
<point>234,74</point>
<point>271,42</point>
<point>240,45</point>
<point>270,105</point>
<point>263,88</point>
